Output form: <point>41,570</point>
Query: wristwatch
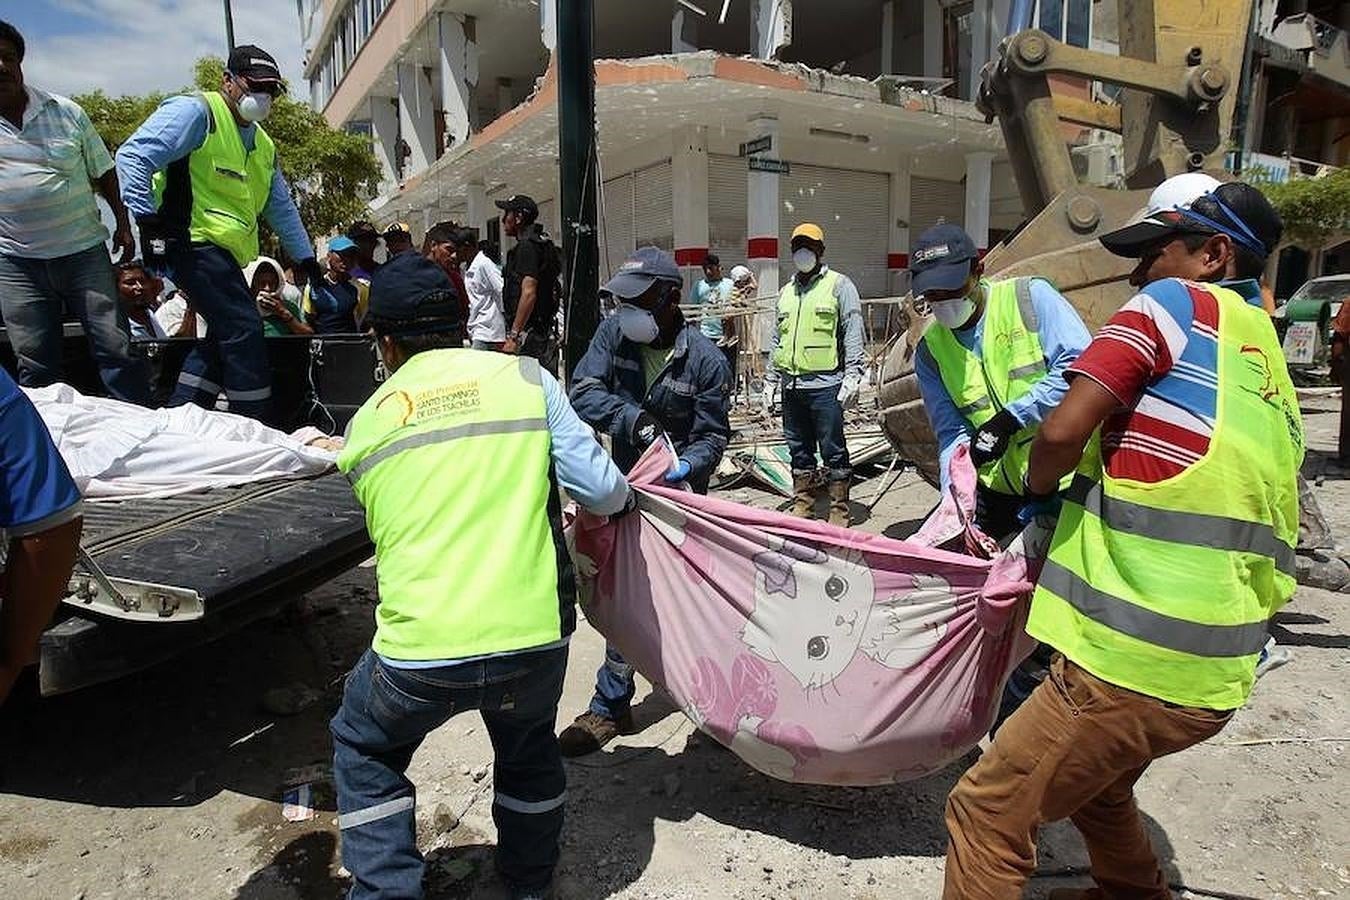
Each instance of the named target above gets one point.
<point>517,336</point>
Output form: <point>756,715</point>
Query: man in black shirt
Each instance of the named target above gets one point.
<point>531,275</point>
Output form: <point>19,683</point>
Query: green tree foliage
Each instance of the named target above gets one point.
<point>331,173</point>
<point>1314,210</point>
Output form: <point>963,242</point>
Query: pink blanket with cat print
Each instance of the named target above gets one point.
<point>817,654</point>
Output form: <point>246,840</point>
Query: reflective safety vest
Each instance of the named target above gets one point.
<point>808,327</point>
<point>1009,364</point>
<point>1165,588</point>
<point>228,185</point>
<point>451,460</point>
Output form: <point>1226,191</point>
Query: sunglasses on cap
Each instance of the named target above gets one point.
<point>271,88</point>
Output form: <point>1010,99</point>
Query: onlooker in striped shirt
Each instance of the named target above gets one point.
<point>51,237</point>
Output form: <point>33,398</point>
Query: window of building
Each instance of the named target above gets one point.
<point>1069,21</point>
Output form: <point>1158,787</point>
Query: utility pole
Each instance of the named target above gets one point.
<point>578,164</point>
<point>229,28</point>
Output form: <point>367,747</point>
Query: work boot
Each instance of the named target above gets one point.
<point>839,512</point>
<point>803,494</point>
<point>591,731</point>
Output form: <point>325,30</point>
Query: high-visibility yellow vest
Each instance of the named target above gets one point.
<point>451,460</point>
<point>1166,588</point>
<point>230,184</point>
<point>1010,363</point>
<point>808,328</point>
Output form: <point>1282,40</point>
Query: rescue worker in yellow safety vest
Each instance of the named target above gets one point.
<point>457,459</point>
<point>990,367</point>
<point>197,174</point>
<point>816,356</point>
<point>1174,547</point>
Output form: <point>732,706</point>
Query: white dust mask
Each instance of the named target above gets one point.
<point>255,106</point>
<point>638,325</point>
<point>805,260</point>
<point>953,313</point>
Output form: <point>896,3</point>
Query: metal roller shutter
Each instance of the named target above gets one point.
<point>854,210</point>
<point>616,225</point>
<point>654,207</point>
<point>727,191</point>
<point>931,201</point>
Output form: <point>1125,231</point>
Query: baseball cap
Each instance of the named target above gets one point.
<point>398,229</point>
<point>410,294</point>
<point>519,203</point>
<point>362,229</point>
<point>940,259</point>
<point>808,230</point>
<point>640,271</point>
<point>340,243</point>
<point>254,64</point>
<point>1235,209</point>
<point>739,273</point>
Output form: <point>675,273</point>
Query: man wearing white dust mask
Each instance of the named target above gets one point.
<point>197,175</point>
<point>991,367</point>
<point>646,373</point>
<point>816,355</point>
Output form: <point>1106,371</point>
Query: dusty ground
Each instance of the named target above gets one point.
<point>167,784</point>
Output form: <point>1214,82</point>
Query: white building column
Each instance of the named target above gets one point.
<point>761,219</point>
<point>689,184</point>
<point>506,100</point>
<point>932,38</point>
<point>770,27</point>
<point>415,112</point>
<point>683,31</point>
<point>979,166</point>
<point>479,209</point>
<point>548,24</point>
<point>980,16</point>
<point>384,131</point>
<point>459,75</point>
<point>888,37</point>
<point>897,246</point>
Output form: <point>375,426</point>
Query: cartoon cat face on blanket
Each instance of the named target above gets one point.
<point>815,611</point>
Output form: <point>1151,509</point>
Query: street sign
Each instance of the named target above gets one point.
<point>764,164</point>
<point>758,145</point>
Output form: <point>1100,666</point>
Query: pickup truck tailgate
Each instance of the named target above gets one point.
<point>242,552</point>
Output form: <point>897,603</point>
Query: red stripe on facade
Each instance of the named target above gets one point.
<point>762,248</point>
<point>897,260</point>
<point>690,256</point>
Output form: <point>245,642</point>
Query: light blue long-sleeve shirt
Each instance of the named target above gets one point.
<point>178,127</point>
<point>583,468</point>
<point>1063,336</point>
<point>851,331</point>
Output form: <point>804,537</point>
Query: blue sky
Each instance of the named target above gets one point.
<point>137,46</point>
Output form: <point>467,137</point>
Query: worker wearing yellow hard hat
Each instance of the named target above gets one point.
<point>816,360</point>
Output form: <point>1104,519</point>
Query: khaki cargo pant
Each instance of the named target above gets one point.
<point>1073,750</point>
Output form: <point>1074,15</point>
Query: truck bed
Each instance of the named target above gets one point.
<point>240,553</point>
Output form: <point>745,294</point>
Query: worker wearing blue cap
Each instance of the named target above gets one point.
<point>457,459</point>
<point>647,373</point>
<point>336,304</point>
<point>991,366</point>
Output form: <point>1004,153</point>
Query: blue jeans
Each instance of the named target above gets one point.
<point>614,686</point>
<point>815,419</point>
<point>385,715</point>
<point>233,355</point>
<point>34,295</point>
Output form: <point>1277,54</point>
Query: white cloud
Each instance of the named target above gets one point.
<point>151,45</point>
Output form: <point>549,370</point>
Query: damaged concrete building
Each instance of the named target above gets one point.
<point>722,124</point>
